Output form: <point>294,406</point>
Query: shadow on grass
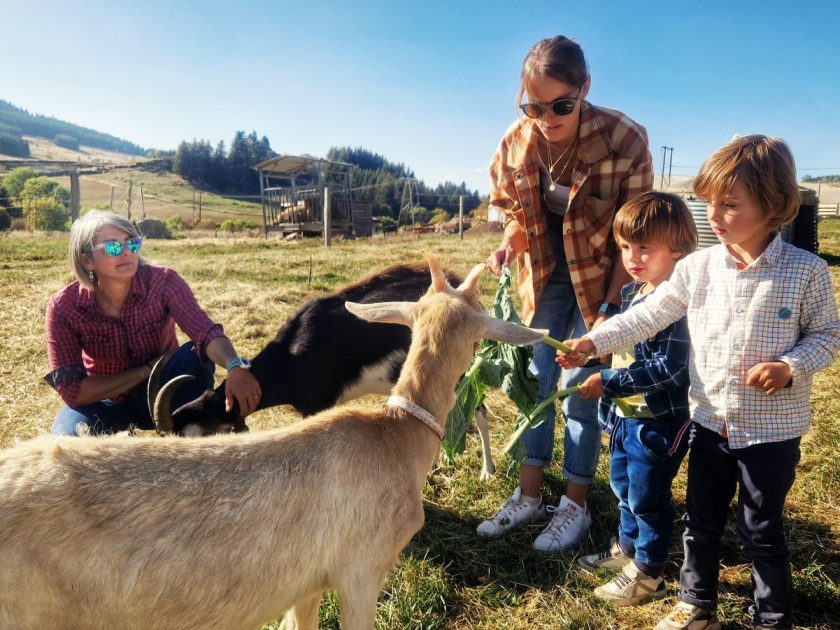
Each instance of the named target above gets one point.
<point>450,539</point>
<point>509,567</point>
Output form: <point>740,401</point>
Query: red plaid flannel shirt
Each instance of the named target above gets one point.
<point>613,166</point>
<point>83,341</point>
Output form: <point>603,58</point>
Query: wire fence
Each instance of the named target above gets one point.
<point>132,199</point>
<point>828,210</point>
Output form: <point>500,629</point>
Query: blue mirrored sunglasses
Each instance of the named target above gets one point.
<point>115,248</point>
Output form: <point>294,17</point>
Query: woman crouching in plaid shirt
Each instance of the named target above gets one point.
<point>106,329</point>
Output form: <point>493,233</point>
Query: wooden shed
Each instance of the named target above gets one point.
<point>292,194</point>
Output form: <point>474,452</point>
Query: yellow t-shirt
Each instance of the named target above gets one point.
<point>622,359</point>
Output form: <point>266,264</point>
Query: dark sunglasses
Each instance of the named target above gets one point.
<point>560,107</point>
<point>115,248</point>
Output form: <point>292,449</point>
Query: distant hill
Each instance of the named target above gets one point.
<point>20,122</point>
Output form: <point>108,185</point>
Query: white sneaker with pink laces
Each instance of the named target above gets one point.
<point>567,527</point>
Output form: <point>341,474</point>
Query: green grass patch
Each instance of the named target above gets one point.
<point>448,577</point>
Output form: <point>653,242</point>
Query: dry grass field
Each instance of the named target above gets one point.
<point>448,578</point>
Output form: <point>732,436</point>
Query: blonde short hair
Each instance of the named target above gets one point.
<point>83,233</point>
<point>657,218</point>
<point>765,167</point>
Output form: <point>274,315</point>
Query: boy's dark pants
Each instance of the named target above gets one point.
<point>763,475</point>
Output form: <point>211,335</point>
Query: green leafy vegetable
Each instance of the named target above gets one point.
<point>506,367</point>
<point>496,365</point>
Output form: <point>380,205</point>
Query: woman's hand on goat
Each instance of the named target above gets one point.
<point>242,386</point>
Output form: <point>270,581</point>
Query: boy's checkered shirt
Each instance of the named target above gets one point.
<point>779,308</point>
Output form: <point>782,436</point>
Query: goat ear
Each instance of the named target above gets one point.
<point>470,283</point>
<point>383,312</point>
<point>438,277</point>
<point>508,332</point>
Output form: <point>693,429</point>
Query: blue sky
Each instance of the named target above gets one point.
<point>429,84</point>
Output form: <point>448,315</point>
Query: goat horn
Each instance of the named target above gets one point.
<point>438,277</point>
<point>470,283</point>
<point>162,417</point>
<point>153,386</point>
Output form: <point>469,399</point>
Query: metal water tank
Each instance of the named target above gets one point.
<point>705,236</point>
<point>802,231</point>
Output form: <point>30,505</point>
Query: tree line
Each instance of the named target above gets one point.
<point>220,169</point>
<point>374,179</point>
<point>15,122</point>
<point>382,184</point>
<point>825,179</point>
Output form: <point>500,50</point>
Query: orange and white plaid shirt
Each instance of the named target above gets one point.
<point>613,165</point>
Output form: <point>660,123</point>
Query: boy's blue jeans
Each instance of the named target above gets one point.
<point>558,311</point>
<point>762,474</point>
<point>641,472</point>
<point>106,416</point>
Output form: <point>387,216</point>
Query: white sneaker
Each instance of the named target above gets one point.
<point>567,526</point>
<point>514,512</point>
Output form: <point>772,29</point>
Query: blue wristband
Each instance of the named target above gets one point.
<point>242,362</point>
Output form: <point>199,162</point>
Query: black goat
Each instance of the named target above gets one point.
<point>323,355</point>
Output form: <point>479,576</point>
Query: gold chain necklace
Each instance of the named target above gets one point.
<point>553,186</point>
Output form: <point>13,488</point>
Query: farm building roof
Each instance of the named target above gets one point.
<point>296,164</point>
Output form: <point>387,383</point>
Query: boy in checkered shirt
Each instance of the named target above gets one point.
<point>763,319</point>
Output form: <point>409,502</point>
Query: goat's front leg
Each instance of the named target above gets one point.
<point>304,614</point>
<point>358,603</point>
<point>488,468</point>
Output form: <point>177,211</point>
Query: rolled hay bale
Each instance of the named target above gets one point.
<point>152,228</point>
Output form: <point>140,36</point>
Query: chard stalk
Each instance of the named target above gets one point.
<point>559,345</point>
<point>560,393</point>
<point>476,365</point>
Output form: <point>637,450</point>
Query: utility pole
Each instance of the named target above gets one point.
<point>407,200</point>
<point>665,151</point>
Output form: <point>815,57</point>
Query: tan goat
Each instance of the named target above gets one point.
<point>231,531</point>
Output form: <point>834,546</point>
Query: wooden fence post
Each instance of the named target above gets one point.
<point>75,195</point>
<point>461,216</point>
<point>326,218</point>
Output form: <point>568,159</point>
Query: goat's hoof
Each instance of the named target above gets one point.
<point>486,475</point>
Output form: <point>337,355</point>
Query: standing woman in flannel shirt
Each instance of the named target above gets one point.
<point>106,329</point>
<point>560,174</point>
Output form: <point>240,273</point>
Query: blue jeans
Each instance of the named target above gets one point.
<point>641,472</point>
<point>762,474</point>
<point>106,416</point>
<point>558,311</point>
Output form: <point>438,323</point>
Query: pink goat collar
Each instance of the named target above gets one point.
<point>418,412</point>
